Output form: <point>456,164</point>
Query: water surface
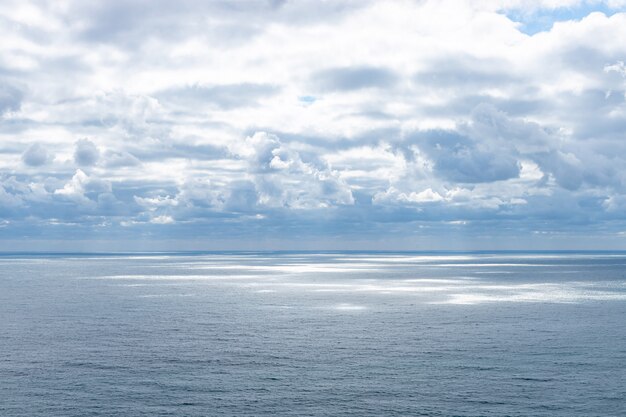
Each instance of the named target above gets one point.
<point>330,334</point>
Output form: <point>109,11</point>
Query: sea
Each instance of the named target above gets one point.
<point>313,334</point>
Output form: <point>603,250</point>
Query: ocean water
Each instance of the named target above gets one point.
<point>302,334</point>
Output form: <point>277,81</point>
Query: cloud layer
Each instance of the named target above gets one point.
<point>405,124</point>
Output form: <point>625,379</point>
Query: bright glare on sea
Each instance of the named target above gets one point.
<point>302,334</point>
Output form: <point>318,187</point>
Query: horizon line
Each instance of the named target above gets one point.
<point>309,251</point>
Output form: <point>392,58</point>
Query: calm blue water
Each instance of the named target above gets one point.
<point>313,335</point>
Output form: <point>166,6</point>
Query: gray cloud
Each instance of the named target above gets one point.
<point>222,96</point>
<point>353,78</point>
<point>461,163</point>
<point>226,22</point>
<point>36,155</point>
<point>10,98</point>
<point>115,159</point>
<point>466,73</point>
<point>482,151</point>
<point>86,153</point>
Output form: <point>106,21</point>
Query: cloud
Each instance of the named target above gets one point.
<point>483,150</point>
<point>10,98</point>
<point>283,179</point>
<point>8,200</point>
<point>220,96</point>
<point>466,73</point>
<point>156,202</point>
<point>353,78</point>
<point>393,195</point>
<point>618,67</point>
<point>162,220</point>
<point>115,159</point>
<point>459,159</point>
<point>340,120</point>
<point>35,155</point>
<point>86,153</point>
<point>81,185</point>
<point>118,21</point>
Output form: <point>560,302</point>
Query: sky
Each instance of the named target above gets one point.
<point>308,124</point>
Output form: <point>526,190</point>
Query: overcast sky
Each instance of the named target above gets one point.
<point>154,124</point>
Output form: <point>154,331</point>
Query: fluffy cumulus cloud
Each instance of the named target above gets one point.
<point>86,153</point>
<point>35,155</point>
<point>401,124</point>
<point>282,179</point>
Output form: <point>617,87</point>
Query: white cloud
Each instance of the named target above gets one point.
<point>162,220</point>
<point>84,190</point>
<point>76,186</point>
<point>283,179</point>
<point>156,202</point>
<point>367,110</point>
<point>426,196</point>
